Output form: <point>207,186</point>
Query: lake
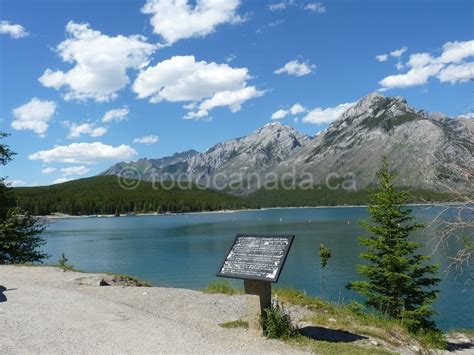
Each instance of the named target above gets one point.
<point>186,250</point>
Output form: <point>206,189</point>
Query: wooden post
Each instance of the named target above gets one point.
<point>258,298</point>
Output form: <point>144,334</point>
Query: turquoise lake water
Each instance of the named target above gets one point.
<point>187,250</point>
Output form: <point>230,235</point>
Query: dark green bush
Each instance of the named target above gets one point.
<point>276,323</point>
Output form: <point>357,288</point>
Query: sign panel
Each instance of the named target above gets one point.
<point>256,257</point>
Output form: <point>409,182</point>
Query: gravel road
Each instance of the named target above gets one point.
<point>43,311</point>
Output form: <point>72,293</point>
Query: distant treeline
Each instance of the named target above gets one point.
<point>104,195</point>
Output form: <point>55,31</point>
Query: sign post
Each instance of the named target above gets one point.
<point>258,260</point>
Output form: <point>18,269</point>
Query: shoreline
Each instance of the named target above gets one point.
<point>147,214</point>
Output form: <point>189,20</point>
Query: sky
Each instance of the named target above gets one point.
<point>86,83</point>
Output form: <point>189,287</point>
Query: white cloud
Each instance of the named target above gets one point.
<point>75,170</point>
<point>294,110</point>
<point>84,153</point>
<point>399,66</point>
<point>76,130</point>
<point>398,52</point>
<point>34,115</point>
<point>454,52</point>
<point>278,6</point>
<point>278,115</point>
<point>61,180</point>
<point>450,66</point>
<point>182,79</point>
<point>119,114</point>
<point>297,108</point>
<point>381,57</point>
<point>177,19</point>
<point>15,183</point>
<point>326,115</point>
<point>15,31</point>
<point>100,63</point>
<point>296,68</point>
<point>315,7</point>
<point>48,170</point>
<point>147,139</point>
<point>456,73</point>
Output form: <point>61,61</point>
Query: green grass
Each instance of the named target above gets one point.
<point>235,324</point>
<point>354,318</point>
<point>331,348</point>
<point>222,286</point>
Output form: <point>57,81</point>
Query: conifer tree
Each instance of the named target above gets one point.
<point>399,281</point>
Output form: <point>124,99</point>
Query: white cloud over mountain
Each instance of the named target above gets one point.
<point>90,129</point>
<point>294,110</point>
<point>84,153</point>
<point>48,170</point>
<point>321,115</point>
<point>34,115</point>
<point>75,170</point>
<point>450,66</point>
<point>296,68</point>
<point>100,63</point>
<point>178,19</point>
<point>13,30</point>
<point>151,139</point>
<point>205,85</point>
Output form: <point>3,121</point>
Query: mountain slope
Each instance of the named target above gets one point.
<point>427,152</point>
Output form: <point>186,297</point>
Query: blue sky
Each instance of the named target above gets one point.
<point>176,75</point>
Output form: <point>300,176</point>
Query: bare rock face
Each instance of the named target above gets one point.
<point>429,151</point>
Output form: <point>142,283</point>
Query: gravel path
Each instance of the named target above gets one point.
<point>43,311</point>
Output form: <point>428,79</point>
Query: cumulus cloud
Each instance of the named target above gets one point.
<point>450,66</point>
<point>13,30</point>
<point>48,170</point>
<point>205,85</point>
<point>398,52</point>
<point>147,139</point>
<point>294,110</point>
<point>296,68</point>
<point>61,180</point>
<point>177,19</point>
<point>456,73</point>
<point>76,130</point>
<point>34,115</point>
<point>381,57</point>
<point>100,63</point>
<point>119,114</point>
<point>326,115</point>
<point>84,153</point>
<point>278,115</point>
<point>75,170</point>
<point>277,6</point>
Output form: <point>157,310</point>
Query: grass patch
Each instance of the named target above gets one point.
<point>235,324</point>
<point>354,318</point>
<point>332,348</point>
<point>222,286</point>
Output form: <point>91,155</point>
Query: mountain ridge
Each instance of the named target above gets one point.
<point>429,151</point>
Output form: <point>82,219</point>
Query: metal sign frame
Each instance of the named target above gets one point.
<point>290,238</point>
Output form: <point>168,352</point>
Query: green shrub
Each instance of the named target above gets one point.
<point>276,323</point>
<point>62,263</point>
<point>222,286</point>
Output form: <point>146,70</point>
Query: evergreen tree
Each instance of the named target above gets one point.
<point>324,255</point>
<point>19,232</point>
<point>398,280</point>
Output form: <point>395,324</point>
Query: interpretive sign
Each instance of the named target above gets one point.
<point>256,257</point>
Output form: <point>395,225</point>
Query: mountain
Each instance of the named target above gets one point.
<point>256,153</point>
<point>148,168</point>
<point>429,151</point>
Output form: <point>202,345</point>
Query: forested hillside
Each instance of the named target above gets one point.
<point>104,195</point>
